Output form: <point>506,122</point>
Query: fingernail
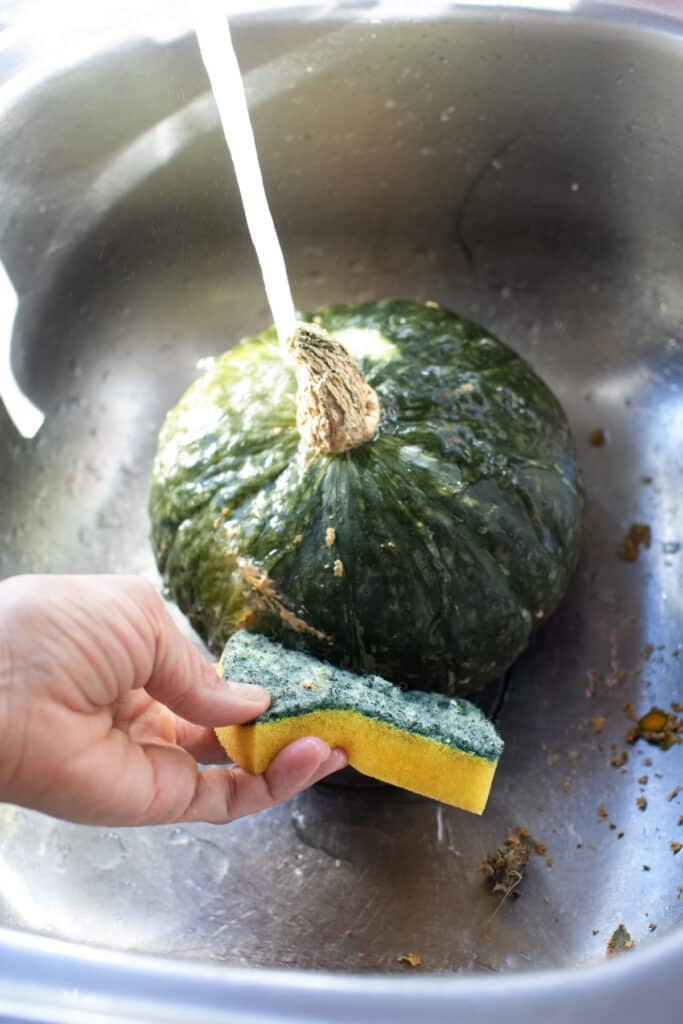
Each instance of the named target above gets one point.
<point>310,745</point>
<point>248,693</point>
<point>337,759</point>
<point>321,748</point>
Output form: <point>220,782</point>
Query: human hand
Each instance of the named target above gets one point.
<point>105,710</point>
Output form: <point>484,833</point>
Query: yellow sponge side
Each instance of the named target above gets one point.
<point>382,751</point>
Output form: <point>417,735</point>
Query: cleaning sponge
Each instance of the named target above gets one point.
<point>441,747</point>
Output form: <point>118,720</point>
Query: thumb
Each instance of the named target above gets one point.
<point>190,686</point>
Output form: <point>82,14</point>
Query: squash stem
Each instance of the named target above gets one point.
<point>336,408</point>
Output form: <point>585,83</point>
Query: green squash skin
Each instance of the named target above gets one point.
<point>457,527</point>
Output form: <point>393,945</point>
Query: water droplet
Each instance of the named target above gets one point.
<point>179,837</point>
<point>106,850</point>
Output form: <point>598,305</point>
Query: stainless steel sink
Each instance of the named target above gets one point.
<point>521,167</point>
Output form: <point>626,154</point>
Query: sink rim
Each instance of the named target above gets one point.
<point>77,981</point>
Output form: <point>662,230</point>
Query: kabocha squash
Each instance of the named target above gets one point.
<point>397,494</point>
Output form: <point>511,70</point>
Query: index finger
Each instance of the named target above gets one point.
<point>189,685</point>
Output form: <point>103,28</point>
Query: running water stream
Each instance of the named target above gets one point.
<point>220,60</point>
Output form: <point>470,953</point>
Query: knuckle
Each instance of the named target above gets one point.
<point>231,794</point>
<point>180,698</point>
<point>144,591</point>
<point>275,792</point>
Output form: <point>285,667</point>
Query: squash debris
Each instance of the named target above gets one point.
<point>639,535</point>
<point>597,438</point>
<point>658,727</point>
<point>620,941</point>
<point>617,760</point>
<point>506,867</point>
<point>410,959</point>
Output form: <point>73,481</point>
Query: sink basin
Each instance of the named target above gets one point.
<point>522,167</point>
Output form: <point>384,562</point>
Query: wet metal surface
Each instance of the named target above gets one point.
<point>523,171</point>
